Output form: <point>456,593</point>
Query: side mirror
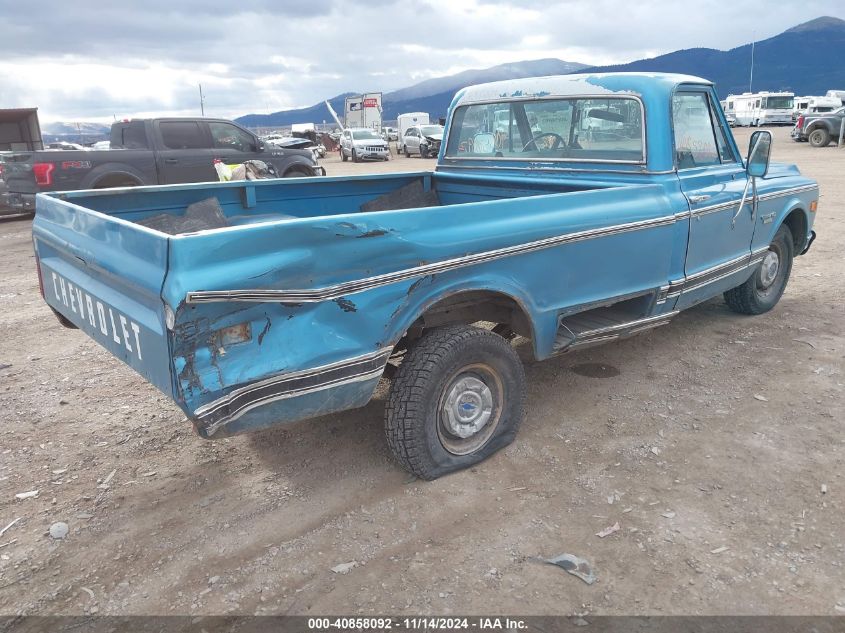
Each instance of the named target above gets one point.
<point>759,153</point>
<point>259,145</point>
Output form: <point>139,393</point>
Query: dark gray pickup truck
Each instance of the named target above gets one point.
<point>819,128</point>
<point>146,152</point>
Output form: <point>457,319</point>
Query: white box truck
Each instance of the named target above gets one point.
<point>407,120</point>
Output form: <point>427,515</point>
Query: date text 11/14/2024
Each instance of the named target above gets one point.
<point>416,624</point>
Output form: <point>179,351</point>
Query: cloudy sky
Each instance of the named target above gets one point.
<point>92,61</point>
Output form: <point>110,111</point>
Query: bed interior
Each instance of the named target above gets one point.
<point>186,210</point>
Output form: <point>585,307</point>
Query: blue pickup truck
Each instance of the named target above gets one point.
<point>569,210</point>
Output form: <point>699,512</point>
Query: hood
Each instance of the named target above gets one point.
<point>369,141</point>
<point>435,137</point>
<point>780,170</point>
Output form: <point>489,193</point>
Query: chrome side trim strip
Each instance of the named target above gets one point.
<point>230,407</point>
<point>741,260</point>
<point>360,285</point>
<point>628,325</point>
<point>722,206</point>
<point>788,192</point>
<point>613,332</point>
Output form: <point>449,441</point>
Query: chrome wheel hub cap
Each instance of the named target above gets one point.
<point>468,407</point>
<point>769,269</point>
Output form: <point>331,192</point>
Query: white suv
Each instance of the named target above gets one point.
<point>359,143</point>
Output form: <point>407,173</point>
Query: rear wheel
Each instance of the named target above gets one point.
<point>761,292</point>
<point>819,137</point>
<point>457,398</point>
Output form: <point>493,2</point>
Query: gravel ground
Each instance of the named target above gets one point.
<point>715,442</point>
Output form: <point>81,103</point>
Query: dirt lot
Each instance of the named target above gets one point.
<point>709,441</point>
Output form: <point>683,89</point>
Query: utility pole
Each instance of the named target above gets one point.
<point>202,102</point>
<point>751,77</point>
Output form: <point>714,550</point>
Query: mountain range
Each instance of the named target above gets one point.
<point>802,59</point>
<point>806,59</point>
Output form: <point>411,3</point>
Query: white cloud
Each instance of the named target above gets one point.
<point>81,61</point>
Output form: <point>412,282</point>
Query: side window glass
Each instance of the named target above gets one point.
<point>135,136</point>
<point>228,136</point>
<point>725,153</point>
<point>182,135</point>
<point>695,143</point>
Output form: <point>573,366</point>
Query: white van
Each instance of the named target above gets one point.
<point>406,121</point>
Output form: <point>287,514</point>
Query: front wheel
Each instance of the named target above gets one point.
<point>819,138</point>
<point>343,156</point>
<point>354,157</point>
<point>457,398</point>
<point>761,292</point>
<point>407,153</point>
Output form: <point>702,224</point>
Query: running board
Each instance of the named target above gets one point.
<point>579,330</point>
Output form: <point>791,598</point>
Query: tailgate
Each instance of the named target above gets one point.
<point>105,275</point>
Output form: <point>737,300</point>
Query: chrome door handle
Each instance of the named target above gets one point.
<point>698,199</point>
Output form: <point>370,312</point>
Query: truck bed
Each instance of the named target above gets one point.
<point>298,274</point>
<point>258,202</point>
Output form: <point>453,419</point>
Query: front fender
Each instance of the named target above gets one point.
<point>770,219</point>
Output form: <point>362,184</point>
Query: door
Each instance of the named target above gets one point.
<point>412,141</point>
<point>185,153</point>
<point>713,179</point>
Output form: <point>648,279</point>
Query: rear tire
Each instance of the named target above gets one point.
<point>761,292</point>
<point>819,137</point>
<point>457,398</point>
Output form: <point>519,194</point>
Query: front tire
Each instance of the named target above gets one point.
<point>457,398</point>
<point>355,158</point>
<point>819,138</point>
<point>761,292</point>
<point>343,156</point>
<point>407,153</point>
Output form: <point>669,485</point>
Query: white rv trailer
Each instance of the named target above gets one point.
<point>814,105</point>
<point>837,94</point>
<point>762,108</point>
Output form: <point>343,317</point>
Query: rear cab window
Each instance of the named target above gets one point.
<point>603,129</point>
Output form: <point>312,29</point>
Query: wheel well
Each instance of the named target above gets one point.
<point>470,307</point>
<point>797,223</point>
<point>116,180</point>
<point>296,169</point>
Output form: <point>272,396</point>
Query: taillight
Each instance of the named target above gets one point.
<point>800,122</point>
<point>43,174</point>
